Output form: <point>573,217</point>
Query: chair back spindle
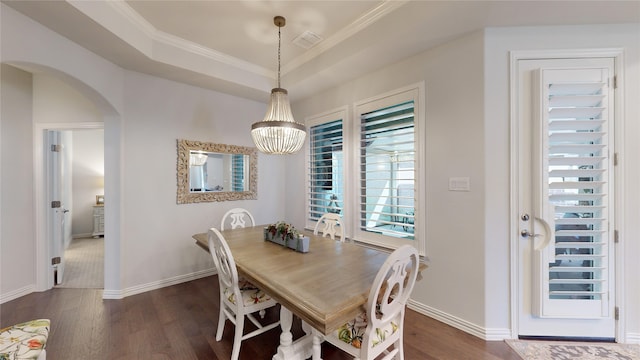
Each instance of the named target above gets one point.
<point>239,218</point>
<point>330,225</point>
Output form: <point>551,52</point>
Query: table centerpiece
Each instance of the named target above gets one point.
<point>286,235</point>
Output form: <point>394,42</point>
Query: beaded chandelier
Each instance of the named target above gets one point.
<point>278,133</point>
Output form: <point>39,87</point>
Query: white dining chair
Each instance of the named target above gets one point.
<point>380,329</point>
<point>330,224</point>
<point>236,301</point>
<point>237,217</point>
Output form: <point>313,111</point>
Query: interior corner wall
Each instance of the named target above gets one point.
<point>453,285</point>
<point>499,43</point>
<point>17,237</point>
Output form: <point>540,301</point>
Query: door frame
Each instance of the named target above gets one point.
<point>514,56</point>
<point>44,275</point>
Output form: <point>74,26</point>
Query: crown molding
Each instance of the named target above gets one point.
<point>123,21</point>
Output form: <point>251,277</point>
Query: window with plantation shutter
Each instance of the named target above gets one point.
<point>576,170</point>
<point>387,172</point>
<point>365,168</point>
<point>325,192</point>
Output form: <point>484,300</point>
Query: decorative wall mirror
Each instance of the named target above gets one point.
<point>216,172</point>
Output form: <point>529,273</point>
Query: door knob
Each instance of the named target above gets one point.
<point>525,233</point>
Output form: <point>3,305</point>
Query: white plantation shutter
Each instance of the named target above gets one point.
<point>387,171</point>
<point>325,169</point>
<point>576,200</point>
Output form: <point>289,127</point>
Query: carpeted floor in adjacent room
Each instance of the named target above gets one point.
<point>84,264</point>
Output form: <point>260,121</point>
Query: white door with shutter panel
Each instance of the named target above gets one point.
<point>566,282</point>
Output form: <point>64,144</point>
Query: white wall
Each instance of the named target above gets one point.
<point>57,102</point>
<point>17,236</point>
<point>453,285</point>
<point>157,241</point>
<point>88,178</point>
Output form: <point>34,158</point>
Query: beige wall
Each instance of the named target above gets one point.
<point>468,236</point>
<point>88,178</point>
<point>17,235</point>
<point>453,284</point>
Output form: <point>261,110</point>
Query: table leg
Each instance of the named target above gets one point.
<point>317,342</point>
<point>288,349</point>
<point>286,338</point>
<point>318,338</point>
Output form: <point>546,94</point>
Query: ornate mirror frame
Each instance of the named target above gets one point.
<point>184,196</point>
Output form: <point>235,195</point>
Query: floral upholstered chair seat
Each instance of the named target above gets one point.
<point>379,329</point>
<point>239,299</point>
<point>250,293</point>
<point>353,331</point>
<point>24,341</point>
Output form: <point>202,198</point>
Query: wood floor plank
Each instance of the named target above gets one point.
<point>179,323</point>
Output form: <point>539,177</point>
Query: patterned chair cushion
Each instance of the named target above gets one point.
<point>250,294</point>
<point>24,341</point>
<point>353,331</point>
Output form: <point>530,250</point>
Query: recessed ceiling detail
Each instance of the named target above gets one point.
<point>227,45</point>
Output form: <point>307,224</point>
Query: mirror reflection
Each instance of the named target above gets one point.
<point>210,171</point>
<point>215,172</point>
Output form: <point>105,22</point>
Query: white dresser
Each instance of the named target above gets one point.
<point>98,220</point>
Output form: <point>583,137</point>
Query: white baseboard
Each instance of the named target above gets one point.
<point>17,293</point>
<point>81,236</point>
<point>632,338</point>
<point>138,289</point>
<point>464,325</point>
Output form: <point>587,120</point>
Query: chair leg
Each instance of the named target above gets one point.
<point>399,345</point>
<point>221,319</point>
<point>237,339</point>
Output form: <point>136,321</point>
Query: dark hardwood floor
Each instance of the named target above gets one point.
<point>179,322</point>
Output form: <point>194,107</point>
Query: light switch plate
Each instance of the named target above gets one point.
<point>459,184</point>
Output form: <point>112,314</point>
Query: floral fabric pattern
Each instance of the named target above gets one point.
<point>24,341</point>
<point>353,331</point>
<point>250,294</point>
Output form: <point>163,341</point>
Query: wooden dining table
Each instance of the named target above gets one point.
<point>325,287</point>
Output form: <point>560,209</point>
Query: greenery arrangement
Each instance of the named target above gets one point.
<point>287,231</point>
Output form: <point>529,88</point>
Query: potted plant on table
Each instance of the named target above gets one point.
<point>286,235</point>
